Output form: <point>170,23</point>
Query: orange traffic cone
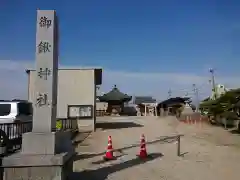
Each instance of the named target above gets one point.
<point>110,140</point>
<point>143,152</point>
<point>109,153</point>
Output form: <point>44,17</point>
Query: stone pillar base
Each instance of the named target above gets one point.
<point>46,143</point>
<point>38,167</point>
<point>44,156</point>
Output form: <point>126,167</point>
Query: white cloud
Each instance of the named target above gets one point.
<point>14,81</point>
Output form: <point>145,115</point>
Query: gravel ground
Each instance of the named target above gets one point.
<point>208,152</point>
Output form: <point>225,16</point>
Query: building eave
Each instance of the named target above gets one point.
<point>82,68</point>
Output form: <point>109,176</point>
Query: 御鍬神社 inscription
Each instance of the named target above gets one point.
<point>42,100</point>
<point>44,116</point>
<point>45,22</point>
<point>44,73</point>
<point>44,47</point>
<point>45,154</point>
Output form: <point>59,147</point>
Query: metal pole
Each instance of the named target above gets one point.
<point>178,146</point>
<point>195,90</point>
<point>197,97</point>
<point>213,83</point>
<point>169,93</point>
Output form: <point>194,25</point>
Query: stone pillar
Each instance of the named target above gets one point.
<point>156,110</point>
<point>161,112</point>
<point>45,95</point>
<point>145,110</point>
<point>45,154</point>
<point>168,111</point>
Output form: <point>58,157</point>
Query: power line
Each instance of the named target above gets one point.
<point>189,91</point>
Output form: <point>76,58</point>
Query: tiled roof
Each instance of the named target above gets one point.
<point>114,95</point>
<point>144,99</point>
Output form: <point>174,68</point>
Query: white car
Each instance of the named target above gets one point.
<point>15,119</point>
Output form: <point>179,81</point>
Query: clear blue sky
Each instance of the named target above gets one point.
<point>156,35</point>
<point>144,35</point>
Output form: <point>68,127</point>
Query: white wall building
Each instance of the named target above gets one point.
<point>76,87</point>
<point>220,89</point>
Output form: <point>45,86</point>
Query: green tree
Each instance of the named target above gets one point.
<point>225,106</point>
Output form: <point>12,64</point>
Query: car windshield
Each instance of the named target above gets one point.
<point>5,109</point>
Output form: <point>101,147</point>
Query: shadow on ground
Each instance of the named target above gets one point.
<point>235,131</point>
<point>161,140</point>
<point>117,125</point>
<point>80,137</point>
<point>102,173</point>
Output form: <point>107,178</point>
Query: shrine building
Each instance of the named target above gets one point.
<point>76,94</point>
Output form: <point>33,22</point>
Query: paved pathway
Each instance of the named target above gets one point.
<point>209,152</point>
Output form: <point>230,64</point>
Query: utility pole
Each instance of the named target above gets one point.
<point>213,83</point>
<point>97,89</point>
<point>195,91</point>
<point>169,93</point>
